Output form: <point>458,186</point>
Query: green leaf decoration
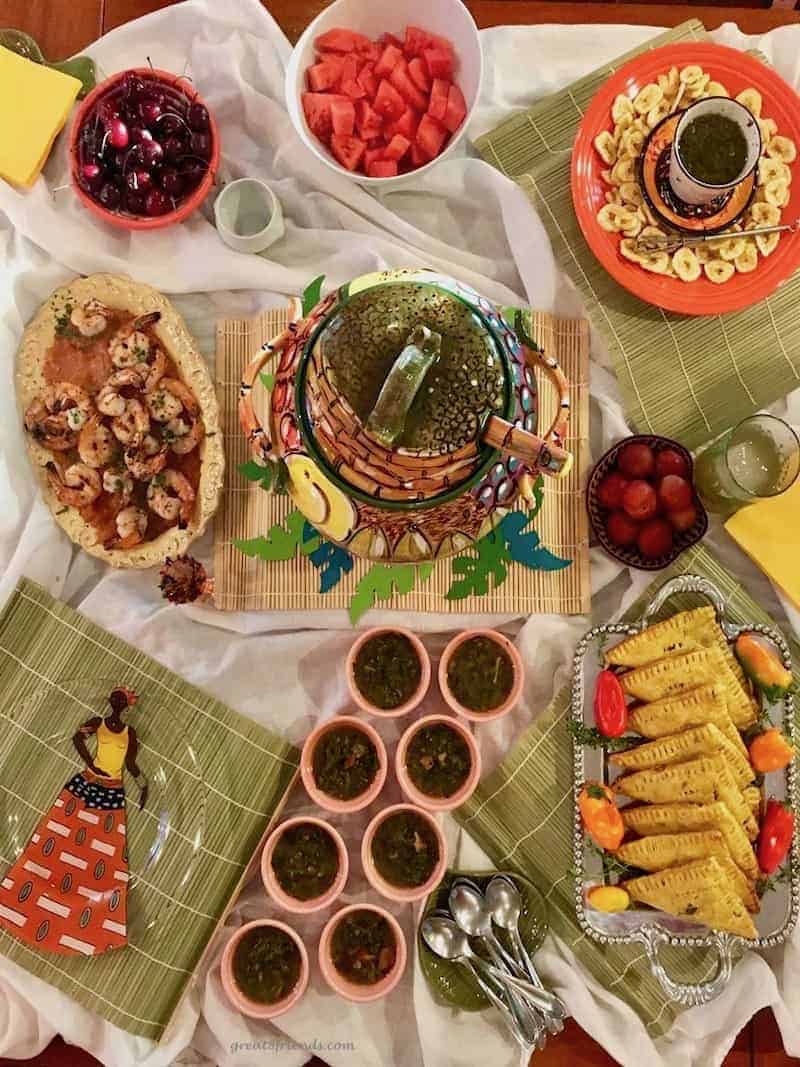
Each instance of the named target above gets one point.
<point>473,571</point>
<point>382,581</point>
<point>254,472</point>
<point>312,294</point>
<point>538,496</point>
<point>267,379</point>
<point>281,543</point>
<point>525,548</point>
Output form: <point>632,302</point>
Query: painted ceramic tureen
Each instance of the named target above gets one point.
<point>404,408</point>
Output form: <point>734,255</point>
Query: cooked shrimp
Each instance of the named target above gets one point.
<point>163,404</point>
<point>55,418</point>
<point>184,437</point>
<point>130,344</point>
<point>76,486</point>
<point>118,482</point>
<point>170,495</point>
<point>131,527</point>
<point>91,318</point>
<point>134,422</point>
<point>96,443</point>
<point>146,460</point>
<point>121,386</point>
<point>154,368</point>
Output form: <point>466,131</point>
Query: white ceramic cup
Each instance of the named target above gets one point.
<point>688,188</point>
<point>248,215</point>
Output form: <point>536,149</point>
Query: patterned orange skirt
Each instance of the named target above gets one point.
<point>67,891</point>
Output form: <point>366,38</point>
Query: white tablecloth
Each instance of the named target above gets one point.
<point>466,219</point>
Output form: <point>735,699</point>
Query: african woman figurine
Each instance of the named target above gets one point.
<point>67,890</point>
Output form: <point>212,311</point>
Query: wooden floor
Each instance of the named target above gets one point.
<point>759,1043</point>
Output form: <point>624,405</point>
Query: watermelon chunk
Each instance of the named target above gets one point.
<point>368,121</point>
<point>430,136</point>
<point>389,38</point>
<point>339,40</point>
<point>371,155</point>
<point>439,63</point>
<point>456,109</point>
<point>382,168</point>
<point>440,94</point>
<point>347,150</point>
<point>418,40</point>
<point>406,125</point>
<point>367,80</point>
<point>400,79</point>
<point>323,76</point>
<point>418,73</point>
<point>343,117</point>
<point>397,147</point>
<point>388,102</point>
<point>390,57</point>
<point>350,71</point>
<point>317,109</point>
<point>416,156</point>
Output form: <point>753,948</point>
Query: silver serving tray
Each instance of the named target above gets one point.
<point>779,907</point>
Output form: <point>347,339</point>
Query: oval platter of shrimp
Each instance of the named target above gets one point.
<point>615,172</point>
<point>121,420</point>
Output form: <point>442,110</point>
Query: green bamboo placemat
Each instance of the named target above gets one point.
<point>685,377</point>
<point>215,776</point>
<point>521,815</point>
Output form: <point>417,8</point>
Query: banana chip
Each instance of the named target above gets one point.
<point>782,148</point>
<point>719,271</point>
<point>767,242</point>
<point>696,90</point>
<point>669,82</point>
<point>647,98</point>
<point>751,99</point>
<point>704,253</point>
<point>655,262</point>
<point>691,75</point>
<point>635,228</point>
<point>622,125</point>
<point>658,113</point>
<point>776,193</point>
<point>730,248</point>
<point>747,261</point>
<point>632,193</point>
<point>686,265</point>
<point>631,144</point>
<point>765,215</point>
<point>628,248</point>
<point>716,89</point>
<point>768,128</point>
<point>605,147</point>
<point>770,170</point>
<point>624,170</point>
<point>622,108</point>
<point>614,217</point>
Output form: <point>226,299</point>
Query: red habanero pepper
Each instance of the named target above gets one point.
<point>610,709</point>
<point>775,839</point>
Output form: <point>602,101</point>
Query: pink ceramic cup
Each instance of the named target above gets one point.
<point>329,803</point>
<point>516,689</point>
<point>415,795</point>
<point>424,682</point>
<point>361,994</point>
<point>402,894</point>
<point>272,885</point>
<point>252,1007</point>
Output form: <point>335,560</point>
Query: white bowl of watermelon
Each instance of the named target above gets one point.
<point>382,90</point>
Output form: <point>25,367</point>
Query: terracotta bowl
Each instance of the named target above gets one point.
<point>328,803</point>
<point>143,222</point>
<point>361,994</point>
<point>272,885</point>
<point>401,894</point>
<point>516,689</point>
<point>415,795</point>
<point>631,556</point>
<point>252,1007</point>
<point>424,682</point>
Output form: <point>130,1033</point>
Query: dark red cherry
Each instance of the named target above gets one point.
<point>139,180</point>
<point>151,153</point>
<point>133,85</point>
<point>138,134</point>
<point>200,144</point>
<point>135,203</point>
<point>175,147</point>
<point>193,172</point>
<point>118,133</point>
<point>171,181</point>
<point>149,111</point>
<point>157,203</point>
<point>109,196</point>
<point>197,118</point>
<point>168,124</point>
<point>92,176</point>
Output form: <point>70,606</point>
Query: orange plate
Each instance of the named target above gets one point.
<point>737,71</point>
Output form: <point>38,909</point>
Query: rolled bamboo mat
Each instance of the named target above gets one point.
<point>247,511</point>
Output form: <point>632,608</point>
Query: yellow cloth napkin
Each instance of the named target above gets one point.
<point>769,532</point>
<point>34,104</point>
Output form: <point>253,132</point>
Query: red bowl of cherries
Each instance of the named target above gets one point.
<point>144,150</point>
<point>642,503</point>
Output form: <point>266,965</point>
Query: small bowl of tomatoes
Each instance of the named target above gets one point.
<point>378,91</point>
<point>642,503</point>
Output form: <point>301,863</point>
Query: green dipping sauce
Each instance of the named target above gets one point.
<point>438,760</point>
<point>387,670</point>
<point>344,763</point>
<point>363,947</point>
<point>405,850</point>
<point>305,861</point>
<point>480,674</point>
<point>266,965</point>
<point>713,149</point>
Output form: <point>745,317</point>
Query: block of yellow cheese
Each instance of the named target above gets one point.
<point>34,104</point>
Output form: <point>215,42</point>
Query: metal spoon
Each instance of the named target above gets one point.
<point>505,902</point>
<point>443,938</point>
<point>470,912</point>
